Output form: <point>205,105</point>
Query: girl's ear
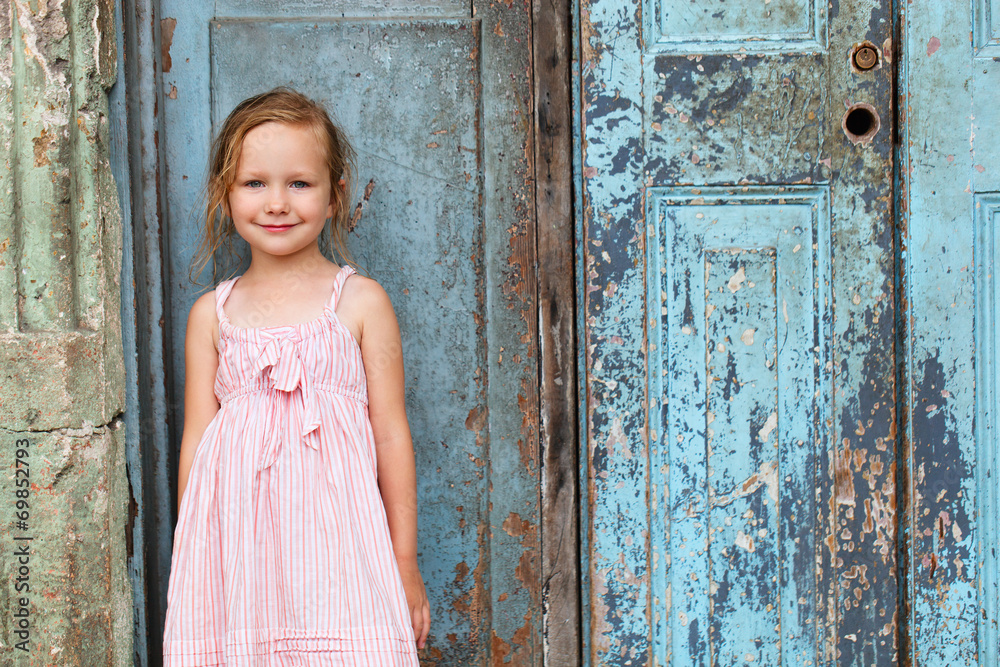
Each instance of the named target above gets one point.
<point>332,206</point>
<point>336,197</point>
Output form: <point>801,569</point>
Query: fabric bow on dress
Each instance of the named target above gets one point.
<point>281,362</point>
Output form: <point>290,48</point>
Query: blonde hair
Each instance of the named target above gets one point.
<point>281,105</point>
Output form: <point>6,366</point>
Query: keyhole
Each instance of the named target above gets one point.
<point>865,57</point>
<point>861,123</point>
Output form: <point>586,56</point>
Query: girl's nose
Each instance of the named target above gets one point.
<point>277,202</point>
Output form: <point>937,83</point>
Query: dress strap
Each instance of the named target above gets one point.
<point>222,291</point>
<point>338,286</point>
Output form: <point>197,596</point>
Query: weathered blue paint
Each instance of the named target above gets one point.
<point>120,169</point>
<point>738,300</point>
<point>438,107</point>
<point>734,112</point>
<point>949,100</point>
<point>987,252</point>
<point>715,26</point>
<point>616,563</point>
<point>143,296</point>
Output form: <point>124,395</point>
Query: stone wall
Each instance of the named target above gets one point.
<point>63,490</point>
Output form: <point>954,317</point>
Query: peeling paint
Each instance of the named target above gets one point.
<point>167,27</point>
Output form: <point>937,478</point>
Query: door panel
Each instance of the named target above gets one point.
<point>717,27</point>
<point>337,9</point>
<point>440,162</point>
<point>985,503</point>
<point>742,275</point>
<point>951,178</point>
<point>738,334</point>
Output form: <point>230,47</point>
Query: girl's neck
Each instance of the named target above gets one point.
<point>288,269</point>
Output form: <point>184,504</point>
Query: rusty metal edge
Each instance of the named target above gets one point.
<point>553,129</point>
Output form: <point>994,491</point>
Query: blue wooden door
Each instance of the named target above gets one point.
<point>433,95</point>
<point>737,289</point>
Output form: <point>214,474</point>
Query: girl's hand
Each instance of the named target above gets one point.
<point>416,600</point>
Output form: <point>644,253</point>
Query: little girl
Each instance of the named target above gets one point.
<point>296,539</point>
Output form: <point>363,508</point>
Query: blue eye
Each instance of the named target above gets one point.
<point>300,184</point>
<point>254,184</point>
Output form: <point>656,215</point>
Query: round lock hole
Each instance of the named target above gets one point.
<point>865,58</point>
<point>861,123</point>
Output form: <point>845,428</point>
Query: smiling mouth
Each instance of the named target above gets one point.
<point>276,228</point>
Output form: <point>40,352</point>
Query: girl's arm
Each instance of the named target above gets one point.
<point>382,352</point>
<point>201,360</point>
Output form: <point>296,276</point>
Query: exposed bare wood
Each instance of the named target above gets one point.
<point>553,201</point>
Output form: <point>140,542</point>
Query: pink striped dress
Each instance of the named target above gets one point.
<point>281,552</point>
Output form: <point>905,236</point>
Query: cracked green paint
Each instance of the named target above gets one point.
<point>60,248</point>
<point>60,332</point>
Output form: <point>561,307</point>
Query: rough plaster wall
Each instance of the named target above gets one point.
<point>61,395</point>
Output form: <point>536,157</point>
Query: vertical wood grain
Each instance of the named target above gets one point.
<point>557,335</point>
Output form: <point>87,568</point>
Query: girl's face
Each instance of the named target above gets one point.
<point>281,197</point>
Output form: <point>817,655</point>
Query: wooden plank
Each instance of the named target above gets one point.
<point>860,558</point>
<point>611,295</point>
<point>155,494</point>
<point>120,144</point>
<point>948,89</point>
<point>557,334</point>
<point>510,287</point>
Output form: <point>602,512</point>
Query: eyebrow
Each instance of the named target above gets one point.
<point>294,176</point>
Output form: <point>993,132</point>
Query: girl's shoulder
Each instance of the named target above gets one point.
<point>204,304</point>
<point>364,307</point>
<point>357,281</point>
<point>203,313</point>
<point>363,292</point>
